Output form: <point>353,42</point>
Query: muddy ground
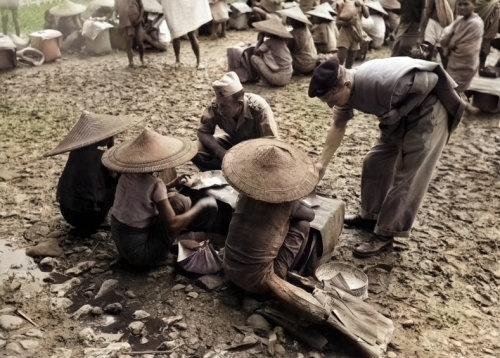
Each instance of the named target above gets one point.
<point>439,286</point>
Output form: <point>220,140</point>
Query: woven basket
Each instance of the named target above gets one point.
<point>345,277</point>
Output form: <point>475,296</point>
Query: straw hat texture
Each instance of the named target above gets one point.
<point>67,8</point>
<point>320,12</point>
<point>96,4</point>
<point>241,7</point>
<point>274,27</point>
<point>326,6</point>
<point>295,13</point>
<point>149,152</point>
<point>269,170</point>
<point>92,128</point>
<point>390,4</point>
<point>375,5</point>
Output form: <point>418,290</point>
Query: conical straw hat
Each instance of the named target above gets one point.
<point>274,27</point>
<point>320,12</point>
<point>390,4</point>
<point>326,6</point>
<point>269,170</point>
<point>375,5</point>
<point>241,7</point>
<point>67,8</point>
<point>149,152</point>
<point>152,6</point>
<point>96,4</point>
<point>92,128</point>
<point>296,14</point>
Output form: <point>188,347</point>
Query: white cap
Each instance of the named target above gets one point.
<point>228,85</point>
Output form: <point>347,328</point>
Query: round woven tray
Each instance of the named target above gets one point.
<point>345,277</point>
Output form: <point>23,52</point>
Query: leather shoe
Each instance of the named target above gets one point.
<point>374,246</point>
<point>356,221</point>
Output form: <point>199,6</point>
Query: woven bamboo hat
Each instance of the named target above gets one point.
<point>296,14</point>
<point>269,170</point>
<point>274,27</point>
<point>326,6</point>
<point>149,152</point>
<point>96,4</point>
<point>241,7</point>
<point>321,12</point>
<point>92,128</point>
<point>67,8</point>
<point>390,4</point>
<point>375,5</point>
<point>152,6</point>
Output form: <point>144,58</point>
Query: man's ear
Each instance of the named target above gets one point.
<point>348,84</point>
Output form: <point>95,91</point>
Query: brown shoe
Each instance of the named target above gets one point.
<point>356,221</point>
<point>375,246</point>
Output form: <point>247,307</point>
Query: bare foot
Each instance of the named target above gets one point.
<point>200,67</point>
<point>177,64</point>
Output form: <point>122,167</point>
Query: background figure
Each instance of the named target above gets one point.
<point>374,25</point>
<point>324,31</point>
<point>130,13</point>
<point>350,30</point>
<point>489,11</point>
<point>220,16</point>
<point>5,7</point>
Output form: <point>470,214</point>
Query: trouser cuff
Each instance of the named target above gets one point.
<point>385,232</point>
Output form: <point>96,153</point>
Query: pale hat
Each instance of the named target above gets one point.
<point>96,4</point>
<point>390,4</point>
<point>295,13</point>
<point>273,26</point>
<point>149,152</point>
<point>375,5</point>
<point>92,128</point>
<point>241,7</point>
<point>326,6</point>
<point>228,85</point>
<point>321,13</point>
<point>67,8</point>
<point>269,170</point>
<point>152,6</point>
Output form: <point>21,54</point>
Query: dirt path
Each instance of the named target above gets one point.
<point>439,286</point>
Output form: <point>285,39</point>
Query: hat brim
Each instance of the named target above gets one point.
<point>73,10</point>
<point>321,14</point>
<point>263,26</point>
<point>290,13</point>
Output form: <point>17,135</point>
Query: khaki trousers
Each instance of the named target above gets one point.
<point>397,170</point>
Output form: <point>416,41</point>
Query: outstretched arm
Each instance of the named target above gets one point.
<point>176,223</point>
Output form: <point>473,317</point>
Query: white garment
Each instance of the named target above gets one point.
<point>184,16</point>
<point>374,26</point>
<point>433,32</point>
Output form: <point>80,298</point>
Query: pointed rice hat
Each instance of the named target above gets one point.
<point>67,8</point>
<point>269,170</point>
<point>390,4</point>
<point>241,7</point>
<point>92,128</point>
<point>149,152</point>
<point>96,4</point>
<point>296,14</point>
<point>152,6</point>
<point>326,6</point>
<point>274,27</point>
<point>321,12</point>
<point>375,5</point>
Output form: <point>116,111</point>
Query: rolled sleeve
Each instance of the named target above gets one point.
<point>342,113</point>
<point>268,125</point>
<point>160,191</point>
<point>208,121</point>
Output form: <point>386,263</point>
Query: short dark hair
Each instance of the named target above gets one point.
<point>324,78</point>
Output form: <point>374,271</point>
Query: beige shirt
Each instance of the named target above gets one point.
<point>256,120</point>
<point>276,54</point>
<point>136,198</point>
<point>303,50</point>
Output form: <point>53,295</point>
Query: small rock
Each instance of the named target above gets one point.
<point>178,287</point>
<point>89,294</point>
<point>80,268</point>
<point>10,323</point>
<point>3,342</point>
<point>62,288</point>
<point>188,288</point>
<point>171,320</point>
<point>193,341</point>
<point>7,310</point>
<point>130,294</point>
<point>14,347</point>
<point>181,326</point>
<point>6,175</point>
<point>82,311</point>
<point>173,335</point>
<point>59,303</point>
<point>391,354</point>
<point>193,294</point>
<point>106,287</point>
<point>14,286</point>
<point>16,266</point>
<point>136,327</point>
<point>116,349</point>
<point>408,323</point>
<point>49,263</point>
<point>29,344</point>
<point>47,248</point>
<point>113,308</point>
<point>62,353</point>
<point>144,340</point>
<point>140,314</point>
<point>258,322</point>
<point>96,311</point>
<point>166,346</point>
<point>87,335</point>
<point>34,333</point>
<point>279,350</point>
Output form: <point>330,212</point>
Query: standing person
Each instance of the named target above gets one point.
<point>460,44</point>
<point>272,59</point>
<point>350,30</point>
<point>68,16</point>
<point>220,14</point>
<point>145,216</point>
<point>324,31</point>
<point>86,189</point>
<point>12,6</point>
<point>374,25</point>
<point>489,11</point>
<point>184,17</point>
<point>240,116</point>
<point>417,108</point>
<point>130,16</point>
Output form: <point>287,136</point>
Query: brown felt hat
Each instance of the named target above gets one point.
<point>390,4</point>
<point>92,128</point>
<point>269,170</point>
<point>67,8</point>
<point>149,152</point>
<point>296,14</point>
<point>273,27</point>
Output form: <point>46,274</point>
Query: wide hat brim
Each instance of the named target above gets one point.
<point>296,14</point>
<point>241,7</point>
<point>67,8</point>
<point>92,128</point>
<point>96,4</point>
<point>149,152</point>
<point>326,6</point>
<point>390,4</point>
<point>273,27</point>
<point>152,6</point>
<point>322,13</point>
<point>269,170</point>
<point>375,5</point>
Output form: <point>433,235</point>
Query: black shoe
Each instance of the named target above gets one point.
<point>374,246</point>
<point>356,221</point>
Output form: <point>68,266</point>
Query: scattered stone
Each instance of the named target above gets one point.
<point>140,314</point>
<point>82,311</point>
<point>96,271</point>
<point>14,286</point>
<point>173,335</point>
<point>136,327</point>
<point>211,282</point>
<point>178,287</point>
<point>144,340</point>
<point>49,248</point>
<point>166,346</point>
<point>108,337</point>
<point>7,310</point>
<point>16,266</point>
<point>113,308</point>
<point>14,347</point>
<point>181,326</point>
<point>2,343</point>
<point>171,320</point>
<point>106,287</point>
<point>258,322</point>
<point>408,323</point>
<point>62,288</point>
<point>96,311</point>
<point>130,294</point>
<point>49,263</point>
<point>56,234</point>
<point>34,333</point>
<point>89,294</point>
<point>87,335</point>
<point>193,294</point>
<point>62,353</point>
<point>10,323</point>
<point>59,303</point>
<point>391,354</point>
<point>188,288</point>
<point>29,344</point>
<point>80,268</point>
<point>115,349</point>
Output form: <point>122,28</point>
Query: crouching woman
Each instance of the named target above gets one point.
<point>145,216</point>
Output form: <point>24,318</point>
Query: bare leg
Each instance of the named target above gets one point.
<point>223,29</point>
<point>140,42</point>
<point>342,55</point>
<point>130,54</point>
<point>215,27</point>
<point>16,22</point>
<point>195,47</point>
<point>177,49</point>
